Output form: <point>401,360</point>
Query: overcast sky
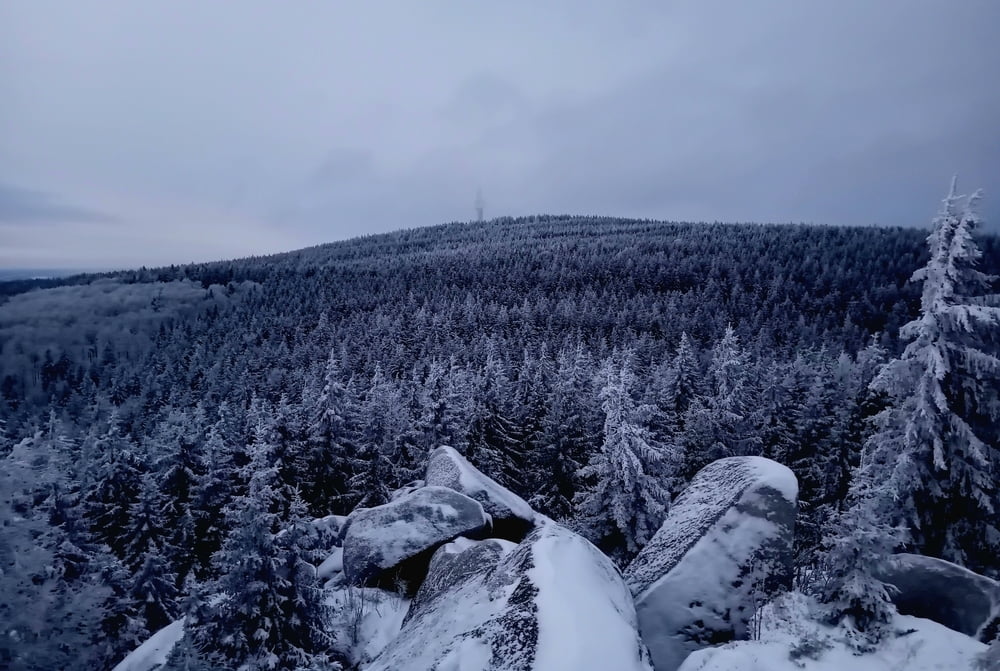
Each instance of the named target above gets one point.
<point>170,131</point>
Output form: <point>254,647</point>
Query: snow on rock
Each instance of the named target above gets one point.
<point>331,565</point>
<point>455,562</point>
<point>363,620</point>
<point>393,542</point>
<point>153,653</point>
<point>946,593</point>
<point>512,516</point>
<point>552,603</point>
<point>726,541</point>
<point>791,640</point>
<point>408,488</point>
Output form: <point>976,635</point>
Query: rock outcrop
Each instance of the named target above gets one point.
<point>551,603</point>
<point>392,543</point>
<point>938,590</point>
<point>724,546</point>
<point>512,517</point>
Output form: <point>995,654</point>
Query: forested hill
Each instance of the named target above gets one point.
<point>134,405</point>
<point>448,291</point>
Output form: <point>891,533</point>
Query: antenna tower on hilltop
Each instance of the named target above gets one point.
<point>480,204</point>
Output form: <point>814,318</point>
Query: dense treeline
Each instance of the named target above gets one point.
<point>554,352</point>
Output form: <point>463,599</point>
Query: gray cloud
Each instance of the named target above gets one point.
<point>307,123</point>
<point>26,206</point>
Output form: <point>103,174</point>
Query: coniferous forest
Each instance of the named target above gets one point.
<point>170,436</point>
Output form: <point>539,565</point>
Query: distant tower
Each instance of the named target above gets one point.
<point>480,204</point>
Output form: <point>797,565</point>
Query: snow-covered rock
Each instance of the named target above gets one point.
<point>552,603</point>
<point>791,640</point>
<point>393,542</point>
<point>153,653</point>
<point>725,543</point>
<point>946,593</point>
<point>363,620</point>
<point>512,516</point>
<point>331,565</point>
<point>455,562</point>
<point>408,488</point>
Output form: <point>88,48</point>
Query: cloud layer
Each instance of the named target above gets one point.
<point>168,132</point>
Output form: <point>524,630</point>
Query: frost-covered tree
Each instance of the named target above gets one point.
<point>492,440</point>
<point>330,446</point>
<point>718,423</point>
<point>941,423</point>
<point>565,437</point>
<point>627,481</point>
<point>269,613</point>
<point>857,544</point>
<point>154,592</point>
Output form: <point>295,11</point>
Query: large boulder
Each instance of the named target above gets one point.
<point>552,603</point>
<point>393,543</point>
<point>456,562</point>
<point>725,545</point>
<point>512,517</point>
<point>946,593</point>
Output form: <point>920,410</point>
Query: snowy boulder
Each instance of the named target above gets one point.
<point>512,516</point>
<point>392,543</point>
<point>552,603</point>
<point>945,593</point>
<point>725,544</point>
<point>455,562</point>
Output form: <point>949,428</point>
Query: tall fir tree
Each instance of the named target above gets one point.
<point>627,481</point>
<point>943,409</point>
<point>269,613</point>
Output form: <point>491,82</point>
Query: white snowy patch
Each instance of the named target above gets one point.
<point>586,619</point>
<point>153,653</point>
<point>332,564</point>
<point>364,620</point>
<point>791,641</point>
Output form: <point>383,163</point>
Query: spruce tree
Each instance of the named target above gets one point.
<point>269,613</point>
<point>627,481</point>
<point>940,424</point>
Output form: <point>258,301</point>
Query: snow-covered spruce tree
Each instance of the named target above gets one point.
<point>857,544</point>
<point>626,487</point>
<point>270,613</point>
<point>330,443</point>
<point>564,437</point>
<point>492,439</point>
<point>941,422</point>
<point>718,423</point>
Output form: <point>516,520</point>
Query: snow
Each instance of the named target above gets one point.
<point>921,645</point>
<point>332,564</point>
<point>364,620</point>
<point>586,618</point>
<point>447,468</point>
<point>554,603</point>
<point>154,651</point>
<point>382,537</point>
